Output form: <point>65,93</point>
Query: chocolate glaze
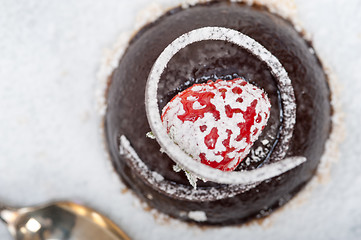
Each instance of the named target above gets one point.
<point>206,60</point>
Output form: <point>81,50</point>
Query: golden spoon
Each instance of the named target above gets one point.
<point>59,221</point>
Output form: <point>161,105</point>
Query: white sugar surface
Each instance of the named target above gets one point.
<point>49,141</point>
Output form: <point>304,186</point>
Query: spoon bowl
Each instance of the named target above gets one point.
<point>59,221</point>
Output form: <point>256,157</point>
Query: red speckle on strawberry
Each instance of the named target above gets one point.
<point>245,127</point>
<point>223,92</point>
<point>204,99</point>
<point>203,128</point>
<point>240,100</point>
<point>237,90</point>
<point>217,122</point>
<point>211,139</point>
<point>230,111</point>
<point>259,118</point>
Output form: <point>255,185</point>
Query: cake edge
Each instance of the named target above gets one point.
<point>284,8</point>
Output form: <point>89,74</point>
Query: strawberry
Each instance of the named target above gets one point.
<point>217,122</point>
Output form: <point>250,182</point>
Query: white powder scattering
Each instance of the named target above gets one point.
<point>148,15</point>
<point>337,135</point>
<point>190,3</point>
<point>150,196</point>
<point>157,176</point>
<point>167,187</point>
<point>198,216</point>
<point>109,62</point>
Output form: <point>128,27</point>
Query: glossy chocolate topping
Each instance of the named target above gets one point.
<point>211,60</point>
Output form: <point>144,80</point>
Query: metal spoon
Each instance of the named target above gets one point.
<point>59,221</point>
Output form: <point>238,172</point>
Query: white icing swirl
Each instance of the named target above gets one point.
<point>183,159</point>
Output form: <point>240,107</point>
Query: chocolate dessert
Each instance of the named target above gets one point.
<point>298,122</point>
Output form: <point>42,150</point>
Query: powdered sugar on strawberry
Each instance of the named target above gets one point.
<point>217,122</point>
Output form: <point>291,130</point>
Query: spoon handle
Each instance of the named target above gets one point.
<point>3,208</point>
<point>7,214</point>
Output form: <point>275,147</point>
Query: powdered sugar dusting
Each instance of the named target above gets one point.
<point>148,15</point>
<point>182,158</point>
<point>337,135</point>
<point>198,216</point>
<point>167,187</point>
<point>232,101</point>
<point>108,64</point>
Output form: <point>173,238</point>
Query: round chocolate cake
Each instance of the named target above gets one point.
<point>238,45</point>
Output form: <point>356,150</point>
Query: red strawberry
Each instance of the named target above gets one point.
<point>217,122</point>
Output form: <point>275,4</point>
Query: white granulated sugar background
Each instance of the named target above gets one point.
<point>50,144</point>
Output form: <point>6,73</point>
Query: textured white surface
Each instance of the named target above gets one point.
<point>194,141</point>
<point>50,147</point>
